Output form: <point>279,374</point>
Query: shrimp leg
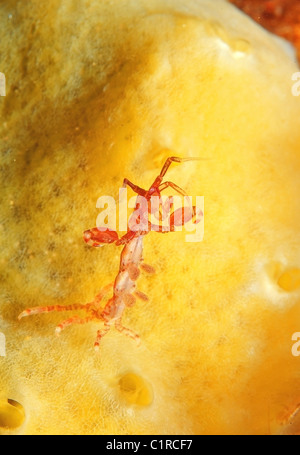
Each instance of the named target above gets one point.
<point>99,297</point>
<point>50,309</point>
<point>134,187</point>
<point>71,321</point>
<point>100,335</point>
<point>128,332</point>
<point>175,187</point>
<point>175,159</point>
<point>74,307</point>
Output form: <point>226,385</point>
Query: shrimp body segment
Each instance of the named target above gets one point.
<point>124,289</point>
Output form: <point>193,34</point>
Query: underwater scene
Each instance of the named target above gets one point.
<point>150,218</point>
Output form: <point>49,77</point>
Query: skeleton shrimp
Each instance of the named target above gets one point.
<point>131,262</point>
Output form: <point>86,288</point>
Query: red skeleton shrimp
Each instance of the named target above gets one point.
<point>124,286</point>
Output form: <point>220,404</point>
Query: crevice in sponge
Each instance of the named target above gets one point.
<point>12,414</point>
<point>286,278</point>
<point>289,280</point>
<point>135,390</point>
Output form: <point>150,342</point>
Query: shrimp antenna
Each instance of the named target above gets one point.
<point>176,159</point>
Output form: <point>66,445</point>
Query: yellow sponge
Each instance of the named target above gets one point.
<point>98,91</point>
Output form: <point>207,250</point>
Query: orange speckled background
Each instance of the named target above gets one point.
<point>278,16</point>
